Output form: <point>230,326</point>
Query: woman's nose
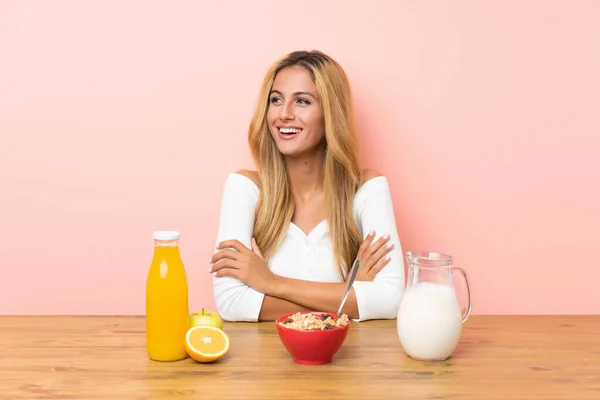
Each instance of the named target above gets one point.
<point>287,112</point>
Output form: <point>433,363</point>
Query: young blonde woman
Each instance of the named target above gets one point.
<point>290,232</point>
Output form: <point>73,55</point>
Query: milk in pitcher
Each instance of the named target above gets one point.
<point>429,321</point>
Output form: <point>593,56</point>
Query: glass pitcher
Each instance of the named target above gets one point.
<point>429,318</point>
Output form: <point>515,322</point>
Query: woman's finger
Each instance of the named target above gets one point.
<point>379,266</point>
<point>225,264</point>
<point>255,249</point>
<point>365,245</point>
<point>230,272</point>
<point>378,244</point>
<point>233,244</point>
<point>379,254</point>
<point>223,254</point>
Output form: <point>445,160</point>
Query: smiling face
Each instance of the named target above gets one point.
<point>295,117</point>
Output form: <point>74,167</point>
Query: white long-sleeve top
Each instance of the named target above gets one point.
<point>310,257</point>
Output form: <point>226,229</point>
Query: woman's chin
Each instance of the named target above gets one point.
<point>291,154</point>
<point>290,150</point>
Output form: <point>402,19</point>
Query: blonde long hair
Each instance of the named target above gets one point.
<point>275,207</point>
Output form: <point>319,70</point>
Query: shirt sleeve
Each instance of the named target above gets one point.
<point>235,300</point>
<point>381,298</point>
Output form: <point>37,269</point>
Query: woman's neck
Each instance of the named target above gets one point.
<point>306,176</point>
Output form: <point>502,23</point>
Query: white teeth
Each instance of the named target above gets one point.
<point>289,130</point>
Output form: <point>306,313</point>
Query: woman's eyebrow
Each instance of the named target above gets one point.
<point>295,94</point>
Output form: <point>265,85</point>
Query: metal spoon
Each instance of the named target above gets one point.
<point>353,272</point>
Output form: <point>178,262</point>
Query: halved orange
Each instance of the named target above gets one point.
<point>206,343</point>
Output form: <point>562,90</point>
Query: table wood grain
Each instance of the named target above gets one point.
<point>499,357</point>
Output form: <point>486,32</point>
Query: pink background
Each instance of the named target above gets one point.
<point>118,118</point>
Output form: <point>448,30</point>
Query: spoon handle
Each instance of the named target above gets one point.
<point>353,272</point>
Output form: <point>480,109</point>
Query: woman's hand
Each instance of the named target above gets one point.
<point>237,261</point>
<point>373,256</point>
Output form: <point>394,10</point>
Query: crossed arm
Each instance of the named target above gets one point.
<point>246,290</point>
<point>286,295</point>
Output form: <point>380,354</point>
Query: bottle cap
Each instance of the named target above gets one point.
<point>166,235</point>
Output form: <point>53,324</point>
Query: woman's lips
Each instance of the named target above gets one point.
<point>288,133</point>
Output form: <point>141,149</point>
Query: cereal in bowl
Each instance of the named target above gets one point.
<point>312,322</point>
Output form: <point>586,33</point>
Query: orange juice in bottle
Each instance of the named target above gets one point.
<point>167,312</point>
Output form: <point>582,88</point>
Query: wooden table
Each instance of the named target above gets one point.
<point>499,357</point>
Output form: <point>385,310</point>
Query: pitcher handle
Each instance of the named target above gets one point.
<point>465,317</point>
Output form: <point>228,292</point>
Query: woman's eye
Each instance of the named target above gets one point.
<point>303,101</point>
<point>276,100</point>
